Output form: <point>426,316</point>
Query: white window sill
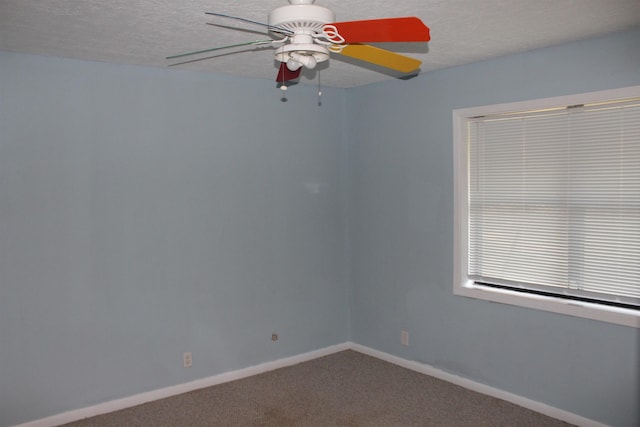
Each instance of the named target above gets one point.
<point>611,314</point>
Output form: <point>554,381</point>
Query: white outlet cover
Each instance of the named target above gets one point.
<point>187,360</point>
<point>404,337</point>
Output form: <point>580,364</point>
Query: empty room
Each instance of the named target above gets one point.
<point>362,213</point>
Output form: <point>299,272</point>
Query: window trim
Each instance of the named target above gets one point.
<point>463,285</point>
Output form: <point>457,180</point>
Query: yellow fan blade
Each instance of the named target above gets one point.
<point>382,57</point>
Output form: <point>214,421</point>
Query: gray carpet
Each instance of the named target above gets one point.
<point>342,389</point>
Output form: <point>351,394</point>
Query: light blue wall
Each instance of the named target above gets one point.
<point>148,212</point>
<point>401,228</point>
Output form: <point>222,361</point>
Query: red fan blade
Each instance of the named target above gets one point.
<point>285,74</point>
<point>409,29</point>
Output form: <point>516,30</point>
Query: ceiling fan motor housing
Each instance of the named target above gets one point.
<point>305,20</point>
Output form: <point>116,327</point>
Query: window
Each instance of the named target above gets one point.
<point>547,204</point>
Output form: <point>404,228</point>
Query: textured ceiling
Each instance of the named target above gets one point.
<point>144,32</point>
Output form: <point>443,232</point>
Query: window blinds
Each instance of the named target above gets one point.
<point>554,200</point>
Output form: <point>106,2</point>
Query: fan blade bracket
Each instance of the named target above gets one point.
<point>330,36</point>
<point>406,29</point>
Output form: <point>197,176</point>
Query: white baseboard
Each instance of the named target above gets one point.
<point>138,399</point>
<point>540,407</point>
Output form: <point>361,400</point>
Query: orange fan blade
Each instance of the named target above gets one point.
<point>409,29</point>
<point>382,57</point>
<point>285,74</point>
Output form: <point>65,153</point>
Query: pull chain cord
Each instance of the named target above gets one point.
<point>319,90</point>
<point>283,88</point>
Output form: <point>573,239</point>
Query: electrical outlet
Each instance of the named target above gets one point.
<point>274,337</point>
<point>187,361</point>
<point>404,338</point>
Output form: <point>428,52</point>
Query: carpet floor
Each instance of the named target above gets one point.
<point>343,389</point>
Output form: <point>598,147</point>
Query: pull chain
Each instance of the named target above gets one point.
<point>283,88</point>
<point>319,90</point>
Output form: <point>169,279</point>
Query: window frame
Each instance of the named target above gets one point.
<point>464,285</point>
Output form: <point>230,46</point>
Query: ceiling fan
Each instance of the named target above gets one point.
<point>305,34</point>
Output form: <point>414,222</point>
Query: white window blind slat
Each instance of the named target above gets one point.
<point>554,200</point>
